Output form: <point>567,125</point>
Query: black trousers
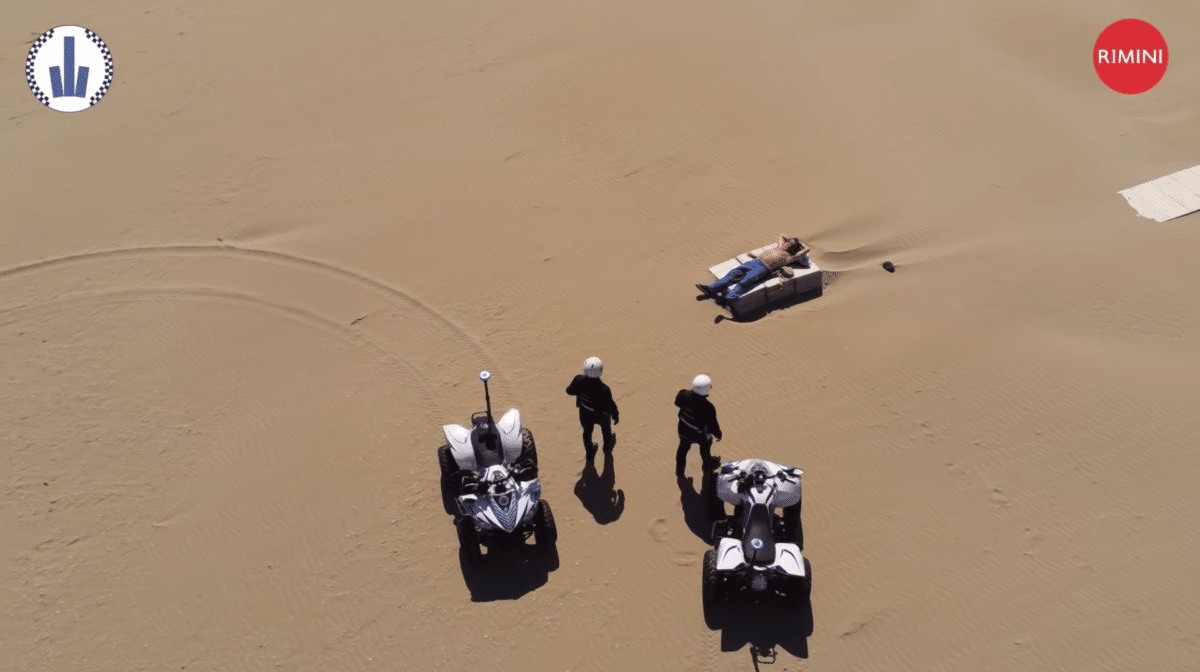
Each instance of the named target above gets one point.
<point>686,439</point>
<point>588,420</point>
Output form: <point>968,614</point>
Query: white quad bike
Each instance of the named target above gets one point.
<point>491,471</point>
<point>756,554</point>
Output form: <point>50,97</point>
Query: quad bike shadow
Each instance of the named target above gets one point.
<point>507,571</point>
<point>700,507</point>
<point>503,566</point>
<point>764,627</point>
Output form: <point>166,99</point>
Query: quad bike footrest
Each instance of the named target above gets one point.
<point>730,528</point>
<point>725,528</point>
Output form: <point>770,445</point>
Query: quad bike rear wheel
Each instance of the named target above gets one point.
<point>545,532</point>
<point>708,594</point>
<point>803,592</point>
<point>709,577</point>
<point>791,520</point>
<point>468,539</point>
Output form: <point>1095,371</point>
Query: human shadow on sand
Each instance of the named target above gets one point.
<point>597,492</point>
<point>508,572</point>
<point>763,628</point>
<point>700,507</point>
<point>759,313</point>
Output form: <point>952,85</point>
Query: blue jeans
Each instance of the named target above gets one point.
<point>741,279</point>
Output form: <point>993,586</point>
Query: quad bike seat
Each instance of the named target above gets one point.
<point>486,442</point>
<point>758,542</point>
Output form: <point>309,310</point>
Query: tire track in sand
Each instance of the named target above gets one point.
<point>359,334</point>
<point>33,291</point>
<point>447,326</point>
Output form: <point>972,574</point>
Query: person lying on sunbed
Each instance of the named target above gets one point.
<point>742,279</point>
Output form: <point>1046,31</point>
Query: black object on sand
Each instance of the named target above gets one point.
<point>889,267</point>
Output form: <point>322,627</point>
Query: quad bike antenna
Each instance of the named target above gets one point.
<point>485,376</point>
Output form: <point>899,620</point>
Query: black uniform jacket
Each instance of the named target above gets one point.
<point>696,414</point>
<point>593,396</point>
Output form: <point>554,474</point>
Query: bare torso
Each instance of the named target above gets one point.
<point>774,257</point>
<point>777,256</point>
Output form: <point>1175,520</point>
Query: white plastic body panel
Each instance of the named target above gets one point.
<point>510,435</point>
<point>504,503</point>
<point>729,554</point>
<point>459,438</point>
<point>787,557</point>
<point>784,480</point>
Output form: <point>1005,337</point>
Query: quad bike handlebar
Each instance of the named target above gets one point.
<point>745,479</point>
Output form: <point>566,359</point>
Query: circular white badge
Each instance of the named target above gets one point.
<point>69,68</point>
<point>756,544</point>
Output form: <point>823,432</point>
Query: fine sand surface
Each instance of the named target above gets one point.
<point>240,296</point>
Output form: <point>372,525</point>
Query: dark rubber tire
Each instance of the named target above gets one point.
<point>708,577</point>
<point>528,447</point>
<point>805,592</point>
<point>791,520</point>
<point>450,484</point>
<point>545,531</point>
<point>468,539</point>
<point>446,461</point>
<point>708,592</point>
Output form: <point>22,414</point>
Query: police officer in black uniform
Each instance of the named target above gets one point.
<point>697,423</point>
<point>595,403</point>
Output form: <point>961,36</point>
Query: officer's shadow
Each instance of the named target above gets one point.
<point>700,506</point>
<point>596,491</point>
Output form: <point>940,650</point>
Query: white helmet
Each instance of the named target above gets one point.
<point>702,385</point>
<point>593,367</point>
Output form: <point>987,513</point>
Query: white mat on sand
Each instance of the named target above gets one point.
<point>1168,197</point>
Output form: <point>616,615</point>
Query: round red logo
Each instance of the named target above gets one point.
<point>1130,56</point>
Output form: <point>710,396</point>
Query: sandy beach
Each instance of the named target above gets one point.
<point>240,296</point>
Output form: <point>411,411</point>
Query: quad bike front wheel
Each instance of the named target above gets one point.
<point>528,447</point>
<point>450,485</point>
<point>446,462</point>
<point>545,532</point>
<point>468,539</point>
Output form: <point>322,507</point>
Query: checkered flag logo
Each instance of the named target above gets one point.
<point>51,64</point>
<point>108,68</point>
<point>29,61</point>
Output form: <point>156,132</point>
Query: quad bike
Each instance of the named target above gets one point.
<point>756,553</point>
<point>491,472</point>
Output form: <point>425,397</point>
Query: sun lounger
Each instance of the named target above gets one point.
<point>775,288</point>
